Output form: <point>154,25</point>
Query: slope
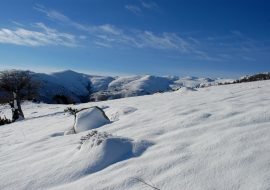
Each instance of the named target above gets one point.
<point>212,138</point>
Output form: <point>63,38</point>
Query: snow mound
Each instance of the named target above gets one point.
<point>90,119</point>
<point>100,149</point>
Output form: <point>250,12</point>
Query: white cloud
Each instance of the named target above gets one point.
<point>61,18</point>
<point>237,33</point>
<point>149,5</point>
<point>148,39</point>
<point>107,28</point>
<point>164,41</point>
<point>134,9</point>
<point>247,58</point>
<point>102,44</point>
<point>108,36</point>
<point>55,15</point>
<point>42,37</point>
<point>17,23</point>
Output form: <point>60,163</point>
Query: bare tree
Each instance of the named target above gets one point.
<point>18,85</point>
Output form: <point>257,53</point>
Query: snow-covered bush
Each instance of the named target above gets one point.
<point>91,118</point>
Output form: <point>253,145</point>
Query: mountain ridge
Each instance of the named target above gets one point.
<point>73,87</point>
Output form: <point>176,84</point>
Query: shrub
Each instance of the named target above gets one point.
<point>256,77</point>
<point>4,120</point>
<point>96,137</point>
<point>71,110</point>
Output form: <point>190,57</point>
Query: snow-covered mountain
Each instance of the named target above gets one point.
<point>69,86</point>
<point>74,86</point>
<point>205,138</point>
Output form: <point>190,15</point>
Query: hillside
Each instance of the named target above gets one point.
<point>205,138</point>
<point>72,87</point>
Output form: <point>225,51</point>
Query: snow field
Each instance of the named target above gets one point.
<point>212,138</point>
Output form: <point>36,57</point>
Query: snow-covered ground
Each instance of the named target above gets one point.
<point>209,138</point>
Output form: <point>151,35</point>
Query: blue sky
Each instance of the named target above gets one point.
<point>226,38</point>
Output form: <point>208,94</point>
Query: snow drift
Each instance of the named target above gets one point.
<point>102,149</point>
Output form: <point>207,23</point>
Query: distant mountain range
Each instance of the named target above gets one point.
<point>72,87</point>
